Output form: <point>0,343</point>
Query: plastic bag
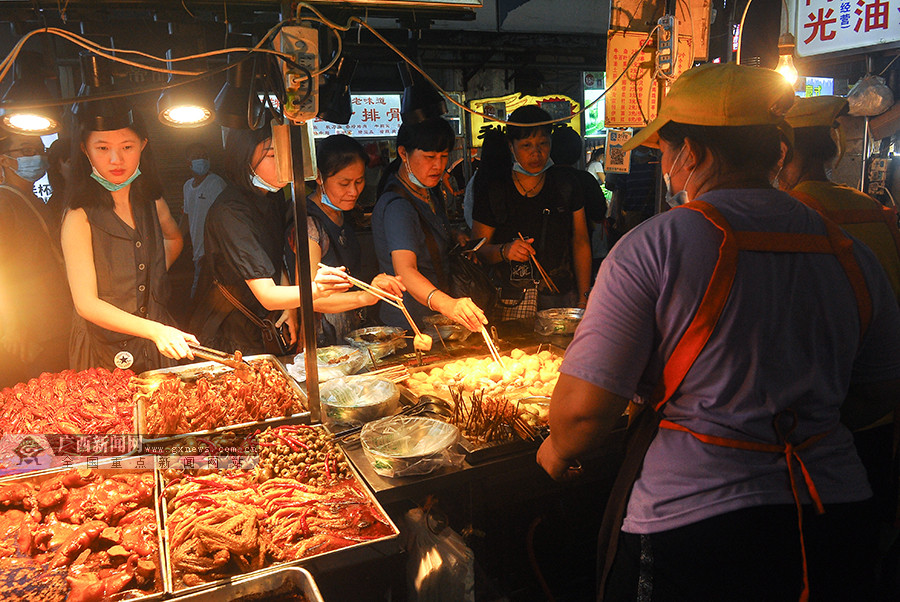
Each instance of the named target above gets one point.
<point>870,96</point>
<point>334,362</point>
<point>441,567</point>
<point>402,446</point>
<point>354,400</point>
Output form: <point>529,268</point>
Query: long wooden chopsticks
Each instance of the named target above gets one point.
<point>492,347</point>
<point>550,284</point>
<point>389,298</point>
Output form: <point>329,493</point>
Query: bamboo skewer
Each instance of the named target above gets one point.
<point>550,284</point>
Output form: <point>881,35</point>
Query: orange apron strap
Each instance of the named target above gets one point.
<point>843,250</point>
<point>701,327</point>
<point>791,455</point>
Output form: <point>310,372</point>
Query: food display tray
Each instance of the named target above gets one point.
<point>115,466</point>
<point>357,553</point>
<point>267,585</point>
<point>191,372</point>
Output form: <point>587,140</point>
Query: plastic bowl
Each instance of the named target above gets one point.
<point>446,328</point>
<point>333,362</point>
<point>408,445</point>
<point>558,320</point>
<point>354,400</point>
<point>381,341</point>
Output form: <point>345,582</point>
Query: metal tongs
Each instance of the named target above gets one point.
<point>232,360</point>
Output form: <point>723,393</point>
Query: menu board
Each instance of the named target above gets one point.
<point>374,116</point>
<point>633,100</point>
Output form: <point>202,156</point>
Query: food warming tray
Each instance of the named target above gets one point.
<point>127,465</point>
<point>335,559</point>
<point>192,371</point>
<point>268,585</point>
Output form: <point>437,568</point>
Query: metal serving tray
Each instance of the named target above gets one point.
<point>127,465</point>
<point>335,559</point>
<point>192,371</point>
<point>264,586</point>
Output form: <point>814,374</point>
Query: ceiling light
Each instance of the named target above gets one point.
<point>28,86</point>
<point>184,105</point>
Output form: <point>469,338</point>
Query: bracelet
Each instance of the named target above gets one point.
<point>502,254</point>
<point>428,299</point>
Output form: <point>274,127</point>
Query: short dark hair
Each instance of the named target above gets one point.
<point>527,114</point>
<point>84,191</point>
<point>431,135</point>
<point>336,152</point>
<point>240,144</point>
<point>566,146</point>
<point>59,152</point>
<point>814,144</point>
<point>748,148</point>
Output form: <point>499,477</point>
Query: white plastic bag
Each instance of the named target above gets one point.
<point>441,568</point>
<point>870,96</point>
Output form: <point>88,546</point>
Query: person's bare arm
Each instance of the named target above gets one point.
<point>172,239</point>
<point>274,296</point>
<point>82,277</point>
<point>462,310</point>
<point>581,416</point>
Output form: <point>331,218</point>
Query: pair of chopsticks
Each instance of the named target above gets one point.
<point>214,355</point>
<point>394,374</point>
<point>389,298</point>
<point>550,284</point>
<point>492,347</point>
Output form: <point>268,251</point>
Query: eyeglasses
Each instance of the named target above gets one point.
<point>15,153</point>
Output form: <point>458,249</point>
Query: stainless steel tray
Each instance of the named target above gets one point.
<point>267,585</point>
<point>126,465</point>
<point>334,559</point>
<point>192,371</point>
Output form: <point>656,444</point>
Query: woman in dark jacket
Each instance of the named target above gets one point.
<point>244,239</point>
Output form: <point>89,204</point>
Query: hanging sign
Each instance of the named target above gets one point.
<point>632,101</point>
<point>555,104</point>
<point>374,116</point>
<point>825,26</point>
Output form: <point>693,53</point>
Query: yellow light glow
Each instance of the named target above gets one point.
<point>28,123</point>
<point>786,68</point>
<point>187,115</point>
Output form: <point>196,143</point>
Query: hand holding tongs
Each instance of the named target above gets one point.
<point>235,360</point>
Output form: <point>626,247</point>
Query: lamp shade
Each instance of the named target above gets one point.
<point>28,87</point>
<point>420,100</point>
<point>185,105</point>
<point>238,105</point>
<point>101,114</point>
<point>334,93</point>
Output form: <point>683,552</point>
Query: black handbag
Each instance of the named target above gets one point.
<point>276,339</point>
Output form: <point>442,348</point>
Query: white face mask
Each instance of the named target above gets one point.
<point>680,197</point>
<point>260,183</point>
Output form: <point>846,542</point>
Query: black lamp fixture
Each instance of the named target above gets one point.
<point>100,114</point>
<point>185,105</point>
<point>420,100</point>
<point>28,86</point>
<point>334,93</point>
<point>238,104</point>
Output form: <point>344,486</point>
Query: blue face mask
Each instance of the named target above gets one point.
<point>114,187</point>
<point>260,183</point>
<point>31,168</point>
<point>681,197</point>
<point>518,167</point>
<point>327,202</point>
<point>414,179</point>
<point>200,167</point>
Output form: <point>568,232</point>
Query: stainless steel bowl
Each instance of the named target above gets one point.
<point>446,328</point>
<point>381,341</point>
<point>558,320</point>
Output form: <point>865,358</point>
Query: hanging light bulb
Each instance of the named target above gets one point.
<point>28,86</point>
<point>785,66</point>
<point>186,105</point>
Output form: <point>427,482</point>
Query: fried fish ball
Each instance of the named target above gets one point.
<point>422,342</point>
<point>516,354</point>
<point>545,355</point>
<point>532,363</point>
<point>418,376</point>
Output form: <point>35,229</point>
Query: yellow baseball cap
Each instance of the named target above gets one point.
<point>817,111</point>
<point>720,95</point>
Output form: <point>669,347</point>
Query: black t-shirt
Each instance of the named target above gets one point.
<point>244,240</point>
<point>546,217</point>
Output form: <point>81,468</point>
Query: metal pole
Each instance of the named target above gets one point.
<point>864,153</point>
<point>304,273</point>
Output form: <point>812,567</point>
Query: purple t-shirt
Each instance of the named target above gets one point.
<point>788,337</point>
